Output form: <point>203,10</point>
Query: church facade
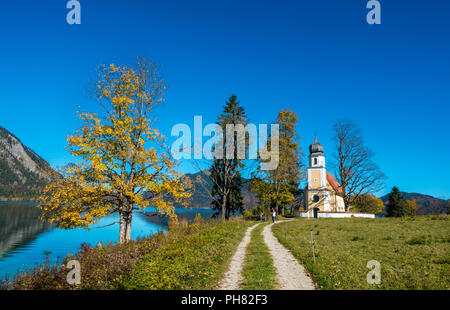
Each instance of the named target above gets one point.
<point>322,193</point>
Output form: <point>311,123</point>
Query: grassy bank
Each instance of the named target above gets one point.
<point>259,272</point>
<point>187,257</point>
<point>417,248</point>
<point>193,263</point>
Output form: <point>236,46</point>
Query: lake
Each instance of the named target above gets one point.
<point>24,238</point>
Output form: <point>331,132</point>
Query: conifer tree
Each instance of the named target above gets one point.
<point>225,173</point>
<point>396,204</point>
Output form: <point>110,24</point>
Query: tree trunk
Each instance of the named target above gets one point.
<point>128,227</point>
<point>224,206</point>
<point>227,214</point>
<point>123,225</point>
<point>346,203</point>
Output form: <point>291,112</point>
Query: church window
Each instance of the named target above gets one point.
<point>315,161</point>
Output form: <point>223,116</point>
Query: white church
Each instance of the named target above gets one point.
<point>322,193</point>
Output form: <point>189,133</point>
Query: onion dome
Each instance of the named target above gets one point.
<point>316,147</point>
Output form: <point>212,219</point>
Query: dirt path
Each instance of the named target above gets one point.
<point>291,275</point>
<point>232,279</point>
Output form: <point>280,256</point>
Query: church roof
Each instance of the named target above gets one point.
<point>316,147</point>
<point>334,184</point>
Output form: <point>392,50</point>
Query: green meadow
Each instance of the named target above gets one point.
<point>414,252</point>
<point>187,257</point>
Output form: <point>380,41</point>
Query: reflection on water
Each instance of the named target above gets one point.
<point>19,226</point>
<point>24,237</point>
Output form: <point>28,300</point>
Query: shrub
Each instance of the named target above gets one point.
<point>248,213</point>
<point>357,238</point>
<point>416,240</point>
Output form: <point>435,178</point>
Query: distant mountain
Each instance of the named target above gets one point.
<point>202,198</point>
<point>426,205</point>
<point>23,173</point>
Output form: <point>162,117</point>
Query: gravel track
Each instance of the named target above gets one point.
<point>291,275</point>
<point>232,279</point>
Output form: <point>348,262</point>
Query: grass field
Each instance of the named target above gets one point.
<point>417,248</point>
<point>191,256</point>
<point>413,252</point>
<point>194,262</point>
<point>259,272</point>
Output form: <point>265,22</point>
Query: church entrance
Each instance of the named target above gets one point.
<point>315,212</point>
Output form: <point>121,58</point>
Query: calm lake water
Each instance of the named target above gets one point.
<point>24,238</point>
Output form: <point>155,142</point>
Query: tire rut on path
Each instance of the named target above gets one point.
<point>291,275</point>
<point>232,279</point>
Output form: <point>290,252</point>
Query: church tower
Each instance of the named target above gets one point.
<point>317,192</point>
<point>322,194</point>
<point>316,169</point>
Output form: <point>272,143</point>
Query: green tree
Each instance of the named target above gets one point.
<point>225,173</point>
<point>279,187</point>
<point>396,206</point>
<point>367,203</point>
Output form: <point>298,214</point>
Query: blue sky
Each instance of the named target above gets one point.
<point>319,58</point>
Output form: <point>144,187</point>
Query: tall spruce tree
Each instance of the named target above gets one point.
<point>225,173</point>
<point>396,206</point>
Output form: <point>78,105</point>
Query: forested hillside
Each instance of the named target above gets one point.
<point>426,205</point>
<point>23,173</point>
<point>202,198</point>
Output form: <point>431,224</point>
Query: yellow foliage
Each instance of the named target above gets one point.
<point>275,187</point>
<point>121,156</point>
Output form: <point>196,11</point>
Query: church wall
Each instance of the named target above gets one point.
<point>329,200</point>
<point>334,214</point>
<point>333,201</point>
<point>344,215</point>
<point>312,204</point>
<point>315,179</point>
<point>340,204</point>
<point>336,203</point>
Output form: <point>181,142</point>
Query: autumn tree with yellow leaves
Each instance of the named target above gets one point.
<point>124,163</point>
<point>278,188</point>
<point>367,203</point>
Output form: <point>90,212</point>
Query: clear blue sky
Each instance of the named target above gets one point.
<point>318,58</point>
